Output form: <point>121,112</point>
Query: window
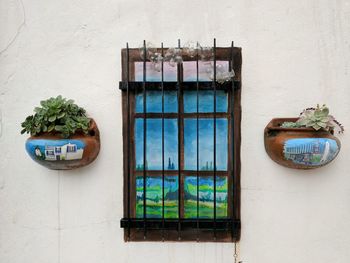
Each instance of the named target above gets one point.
<point>181,133</point>
<point>50,153</point>
<point>71,148</point>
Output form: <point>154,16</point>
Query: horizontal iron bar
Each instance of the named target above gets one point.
<point>208,224</point>
<point>172,85</point>
<point>202,115</point>
<point>183,172</point>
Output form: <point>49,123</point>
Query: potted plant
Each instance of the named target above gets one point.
<point>305,142</point>
<point>62,136</point>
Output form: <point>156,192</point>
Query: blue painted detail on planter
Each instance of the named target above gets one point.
<point>310,151</point>
<point>55,150</point>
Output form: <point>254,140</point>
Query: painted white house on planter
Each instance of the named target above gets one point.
<point>65,152</point>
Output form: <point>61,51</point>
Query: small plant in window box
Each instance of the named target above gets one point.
<point>305,142</point>
<point>62,136</point>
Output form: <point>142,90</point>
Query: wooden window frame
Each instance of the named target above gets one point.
<point>190,231</point>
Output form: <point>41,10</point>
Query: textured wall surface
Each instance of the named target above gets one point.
<point>296,53</point>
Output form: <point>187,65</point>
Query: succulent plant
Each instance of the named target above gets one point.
<point>316,118</point>
<point>290,124</point>
<point>57,115</point>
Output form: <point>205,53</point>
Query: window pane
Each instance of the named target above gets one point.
<point>205,70</point>
<point>206,144</point>
<point>206,101</point>
<point>170,73</point>
<point>154,197</point>
<point>154,101</point>
<point>154,144</point>
<point>206,197</point>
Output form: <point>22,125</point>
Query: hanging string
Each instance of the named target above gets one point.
<point>235,254</point>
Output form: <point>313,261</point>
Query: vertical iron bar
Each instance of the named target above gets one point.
<point>144,139</point>
<point>128,132</point>
<point>163,178</point>
<point>214,86</point>
<point>232,142</point>
<point>179,145</point>
<point>197,72</point>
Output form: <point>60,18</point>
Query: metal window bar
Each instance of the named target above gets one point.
<point>179,144</point>
<point>186,223</point>
<point>144,140</point>
<point>163,177</point>
<point>186,85</point>
<point>128,131</point>
<point>214,87</point>
<point>197,135</point>
<point>231,66</point>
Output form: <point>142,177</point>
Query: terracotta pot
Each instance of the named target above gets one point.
<point>299,148</point>
<point>54,152</point>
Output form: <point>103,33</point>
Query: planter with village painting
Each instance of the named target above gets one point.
<point>62,136</point>
<point>54,152</point>
<point>305,142</point>
<point>299,147</point>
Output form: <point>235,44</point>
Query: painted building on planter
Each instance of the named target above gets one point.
<point>65,152</point>
<point>311,151</point>
<point>55,150</point>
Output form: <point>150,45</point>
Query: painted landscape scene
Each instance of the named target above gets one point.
<point>154,197</point>
<point>206,197</point>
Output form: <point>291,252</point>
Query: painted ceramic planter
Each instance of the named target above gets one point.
<point>299,148</point>
<point>55,153</point>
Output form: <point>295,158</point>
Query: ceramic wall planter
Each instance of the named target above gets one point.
<point>53,152</point>
<point>299,148</point>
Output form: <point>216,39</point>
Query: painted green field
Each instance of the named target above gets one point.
<point>154,209</point>
<point>154,197</point>
<point>205,198</point>
<point>206,209</point>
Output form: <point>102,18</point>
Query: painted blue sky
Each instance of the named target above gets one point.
<point>154,143</point>
<point>206,101</point>
<point>205,98</point>
<point>154,101</point>
<point>206,144</point>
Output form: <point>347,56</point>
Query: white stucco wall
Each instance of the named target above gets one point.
<point>296,53</point>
